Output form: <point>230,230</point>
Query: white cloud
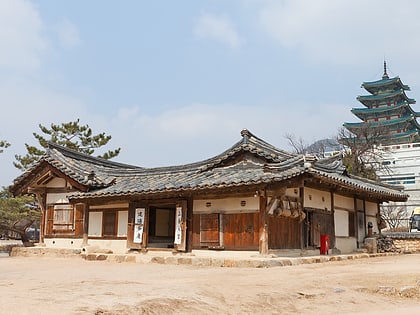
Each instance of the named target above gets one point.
<point>218,28</point>
<point>346,31</point>
<point>68,34</point>
<point>22,112</point>
<point>22,43</point>
<point>196,132</point>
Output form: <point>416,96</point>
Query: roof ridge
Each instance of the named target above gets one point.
<point>68,152</point>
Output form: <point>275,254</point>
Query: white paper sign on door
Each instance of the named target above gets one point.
<point>138,225</point>
<point>178,226</point>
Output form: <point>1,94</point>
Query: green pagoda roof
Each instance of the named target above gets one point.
<point>404,119</point>
<point>385,83</point>
<point>403,106</point>
<point>397,138</point>
<point>366,99</point>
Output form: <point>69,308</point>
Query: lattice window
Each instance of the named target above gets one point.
<point>63,219</point>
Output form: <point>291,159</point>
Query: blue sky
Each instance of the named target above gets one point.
<point>174,82</point>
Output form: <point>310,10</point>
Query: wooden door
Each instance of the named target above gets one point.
<point>209,230</point>
<point>284,233</point>
<point>78,224</point>
<point>240,231</point>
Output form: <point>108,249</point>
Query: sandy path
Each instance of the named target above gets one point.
<point>75,286</point>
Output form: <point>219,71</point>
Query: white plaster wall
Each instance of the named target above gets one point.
<point>57,198</point>
<point>122,223</point>
<point>71,243</point>
<point>95,224</point>
<point>318,199</point>
<point>341,221</point>
<point>346,245</point>
<point>292,192</point>
<point>343,202</point>
<point>229,205</point>
<point>56,182</point>
<point>116,246</point>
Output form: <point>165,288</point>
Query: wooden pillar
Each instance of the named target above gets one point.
<point>42,201</point>
<point>221,231</point>
<point>332,237</point>
<point>85,224</point>
<point>303,236</point>
<point>189,224</point>
<point>356,221</point>
<point>263,243</point>
<point>364,216</point>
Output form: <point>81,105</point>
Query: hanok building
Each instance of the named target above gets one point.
<point>389,121</point>
<point>253,196</point>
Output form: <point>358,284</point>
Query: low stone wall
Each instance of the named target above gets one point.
<point>43,251</point>
<point>405,242</point>
<point>250,261</point>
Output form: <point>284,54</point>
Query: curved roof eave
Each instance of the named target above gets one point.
<point>384,82</point>
<point>384,96</point>
<point>383,109</point>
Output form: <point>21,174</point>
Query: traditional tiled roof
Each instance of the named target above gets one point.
<point>384,83</point>
<point>408,120</point>
<point>251,161</point>
<point>84,169</point>
<point>367,99</point>
<point>401,107</point>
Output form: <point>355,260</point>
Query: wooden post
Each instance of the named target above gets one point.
<point>332,237</point>
<point>189,224</point>
<point>303,239</point>
<point>263,244</point>
<point>42,201</point>
<point>356,221</point>
<point>85,224</point>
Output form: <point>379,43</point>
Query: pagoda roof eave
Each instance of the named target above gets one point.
<point>385,82</point>
<point>362,112</point>
<point>392,139</point>
<point>367,98</point>
<point>391,122</point>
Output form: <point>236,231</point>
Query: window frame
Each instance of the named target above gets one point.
<point>65,223</point>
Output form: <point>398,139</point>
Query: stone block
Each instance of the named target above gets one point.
<point>371,245</point>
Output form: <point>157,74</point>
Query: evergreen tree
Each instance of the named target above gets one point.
<point>70,135</point>
<point>17,214</point>
<point>3,145</point>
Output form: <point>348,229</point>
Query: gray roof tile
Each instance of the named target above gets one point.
<point>269,165</point>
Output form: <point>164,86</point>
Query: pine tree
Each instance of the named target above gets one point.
<point>70,135</point>
<point>3,145</point>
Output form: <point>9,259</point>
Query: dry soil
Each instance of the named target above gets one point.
<point>383,285</point>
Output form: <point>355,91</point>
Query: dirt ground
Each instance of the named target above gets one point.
<point>383,285</point>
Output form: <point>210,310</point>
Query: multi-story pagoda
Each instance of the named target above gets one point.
<point>387,118</point>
